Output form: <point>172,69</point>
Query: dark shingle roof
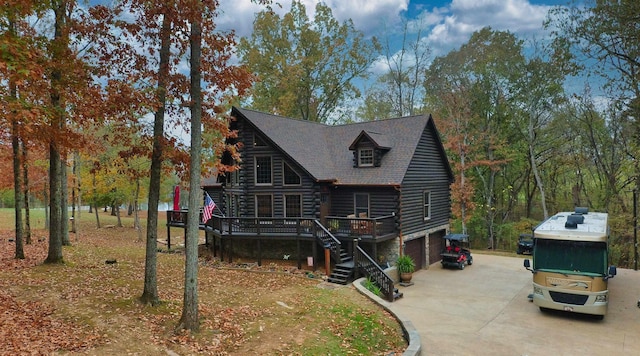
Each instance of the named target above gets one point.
<point>323,151</point>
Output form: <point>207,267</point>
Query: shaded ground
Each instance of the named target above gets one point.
<point>88,306</point>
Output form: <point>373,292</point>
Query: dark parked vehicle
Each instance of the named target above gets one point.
<point>525,244</point>
<point>456,252</point>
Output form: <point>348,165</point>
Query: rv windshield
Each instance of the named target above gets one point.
<point>570,256</point>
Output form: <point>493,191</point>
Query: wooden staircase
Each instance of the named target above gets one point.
<point>344,271</point>
<point>349,265</point>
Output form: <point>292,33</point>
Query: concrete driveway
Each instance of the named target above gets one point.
<point>484,310</point>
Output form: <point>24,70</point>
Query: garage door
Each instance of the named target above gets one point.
<point>436,244</point>
<point>415,248</point>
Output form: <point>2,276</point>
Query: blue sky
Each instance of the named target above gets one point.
<point>447,24</point>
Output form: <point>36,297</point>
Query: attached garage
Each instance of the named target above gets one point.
<point>436,244</point>
<point>416,249</point>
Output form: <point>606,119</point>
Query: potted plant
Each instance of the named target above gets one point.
<point>406,266</point>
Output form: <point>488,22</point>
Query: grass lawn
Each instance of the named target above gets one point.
<point>86,306</point>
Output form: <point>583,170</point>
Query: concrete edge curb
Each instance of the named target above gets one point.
<point>410,332</point>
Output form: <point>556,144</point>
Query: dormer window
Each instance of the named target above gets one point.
<point>365,157</point>
<point>369,148</point>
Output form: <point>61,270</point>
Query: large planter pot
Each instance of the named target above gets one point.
<point>405,277</point>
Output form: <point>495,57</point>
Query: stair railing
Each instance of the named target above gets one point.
<point>327,240</point>
<point>366,265</point>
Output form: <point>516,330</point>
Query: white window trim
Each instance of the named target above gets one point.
<point>255,171</point>
<point>355,206</point>
<point>360,164</point>
<point>426,206</point>
<point>285,164</point>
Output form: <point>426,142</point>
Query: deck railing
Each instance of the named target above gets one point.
<point>327,240</point>
<point>371,269</point>
<point>366,228</point>
<point>336,226</point>
<point>229,226</point>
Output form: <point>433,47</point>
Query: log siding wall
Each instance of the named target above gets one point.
<point>426,172</point>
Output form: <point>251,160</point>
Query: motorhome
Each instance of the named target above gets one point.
<point>570,263</point>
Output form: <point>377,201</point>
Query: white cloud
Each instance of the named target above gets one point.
<point>368,15</point>
<point>238,15</point>
<point>463,17</point>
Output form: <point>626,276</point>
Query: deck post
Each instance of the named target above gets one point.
<point>314,249</point>
<point>259,253</point>
<point>327,259</point>
<point>168,237</point>
<point>354,249</point>
<point>299,253</point>
<point>221,249</point>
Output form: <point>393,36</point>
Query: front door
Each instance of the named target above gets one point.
<point>325,207</point>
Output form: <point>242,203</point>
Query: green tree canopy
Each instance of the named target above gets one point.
<point>305,68</point>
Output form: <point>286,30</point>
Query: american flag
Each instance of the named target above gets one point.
<point>209,205</point>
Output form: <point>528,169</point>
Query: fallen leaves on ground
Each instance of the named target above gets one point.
<point>88,306</point>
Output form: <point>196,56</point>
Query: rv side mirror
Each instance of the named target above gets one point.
<point>527,264</point>
<point>612,271</point>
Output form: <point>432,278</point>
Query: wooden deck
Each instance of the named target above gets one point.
<point>372,229</point>
<point>337,237</point>
<point>344,229</point>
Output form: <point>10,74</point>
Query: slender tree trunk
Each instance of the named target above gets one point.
<point>55,194</point>
<point>136,215</point>
<point>95,204</point>
<point>64,205</point>
<point>55,228</point>
<point>118,215</point>
<point>25,174</point>
<point>77,219</point>
<point>536,175</point>
<point>97,216</point>
<point>189,319</point>
<point>74,198</point>
<point>45,199</point>
<point>150,293</point>
<point>463,201</point>
<point>17,181</point>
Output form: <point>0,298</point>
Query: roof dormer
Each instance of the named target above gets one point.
<point>368,149</point>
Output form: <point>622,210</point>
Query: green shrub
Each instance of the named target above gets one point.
<point>372,286</point>
<point>405,264</point>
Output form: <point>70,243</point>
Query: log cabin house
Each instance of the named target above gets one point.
<point>367,190</point>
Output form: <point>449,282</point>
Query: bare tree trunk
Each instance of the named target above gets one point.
<point>95,204</point>
<point>136,215</point>
<point>75,195</point>
<point>55,198</point>
<point>536,175</point>
<point>190,319</point>
<point>45,199</point>
<point>64,202</point>
<point>25,174</point>
<point>17,181</point>
<point>118,215</point>
<point>463,202</point>
<point>150,293</point>
<point>97,216</point>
